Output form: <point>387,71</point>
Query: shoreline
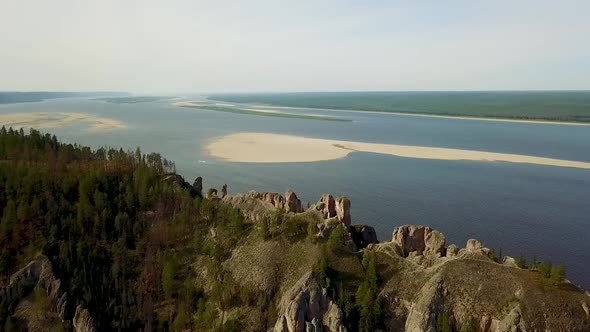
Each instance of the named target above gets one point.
<point>49,120</point>
<point>277,148</point>
<point>440,116</point>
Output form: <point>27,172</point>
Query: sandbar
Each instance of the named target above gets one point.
<point>276,148</point>
<point>59,120</point>
<point>253,111</point>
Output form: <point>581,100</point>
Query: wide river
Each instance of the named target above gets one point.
<point>521,209</point>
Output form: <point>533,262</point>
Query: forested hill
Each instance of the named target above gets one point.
<point>102,218</point>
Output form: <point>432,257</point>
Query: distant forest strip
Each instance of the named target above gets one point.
<point>9,97</point>
<point>133,99</point>
<point>567,106</point>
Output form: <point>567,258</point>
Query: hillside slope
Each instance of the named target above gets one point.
<point>111,240</point>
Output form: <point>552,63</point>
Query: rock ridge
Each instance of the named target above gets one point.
<point>39,273</point>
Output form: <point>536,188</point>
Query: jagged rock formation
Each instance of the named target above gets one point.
<point>198,186</point>
<point>334,208</point>
<point>196,189</point>
<point>56,296</point>
<point>452,250</point>
<point>306,307</point>
<point>82,321</point>
<point>422,313</point>
<point>292,203</point>
<point>327,206</point>
<point>343,210</point>
<point>424,279</point>
<point>363,235</point>
<point>429,280</point>
<point>39,273</point>
<point>212,194</point>
<point>409,238</point>
<point>175,179</point>
<point>257,205</point>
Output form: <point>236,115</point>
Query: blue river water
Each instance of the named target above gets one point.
<point>521,209</point>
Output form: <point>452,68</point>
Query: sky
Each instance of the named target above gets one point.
<point>201,46</point>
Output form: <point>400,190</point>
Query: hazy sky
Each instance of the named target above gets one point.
<point>207,46</point>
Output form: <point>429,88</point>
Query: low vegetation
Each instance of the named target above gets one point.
<point>355,290</point>
<point>133,99</point>
<point>549,275</point>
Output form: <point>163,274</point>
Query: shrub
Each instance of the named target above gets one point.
<point>169,281</point>
<point>232,325</point>
<point>521,262</point>
<point>181,320</point>
<point>294,229</point>
<point>338,239</point>
<point>312,230</point>
<point>322,270</point>
<point>41,300</point>
<point>369,305</point>
<point>6,261</point>
<point>264,228</point>
<point>468,325</point>
<point>557,274</point>
<point>442,323</point>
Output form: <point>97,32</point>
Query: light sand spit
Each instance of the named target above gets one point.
<point>59,120</point>
<point>275,148</point>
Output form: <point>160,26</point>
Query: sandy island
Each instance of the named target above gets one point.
<point>275,148</point>
<point>59,120</point>
<point>254,111</point>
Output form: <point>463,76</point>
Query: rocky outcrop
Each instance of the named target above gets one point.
<point>212,193</point>
<point>409,238</point>
<point>327,206</point>
<point>452,250</point>
<point>343,210</point>
<point>363,235</point>
<point>198,186</point>
<point>509,261</point>
<point>422,317</point>
<point>56,296</point>
<point>38,273</point>
<point>307,307</point>
<point>25,278</point>
<point>257,205</point>
<point>467,286</point>
<point>292,203</point>
<point>83,322</point>
<point>175,179</point>
<point>196,189</point>
<point>326,227</point>
<point>334,208</point>
<point>513,321</point>
<point>473,245</point>
<point>274,199</point>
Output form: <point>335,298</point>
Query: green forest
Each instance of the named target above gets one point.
<point>143,250</point>
<point>571,106</point>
